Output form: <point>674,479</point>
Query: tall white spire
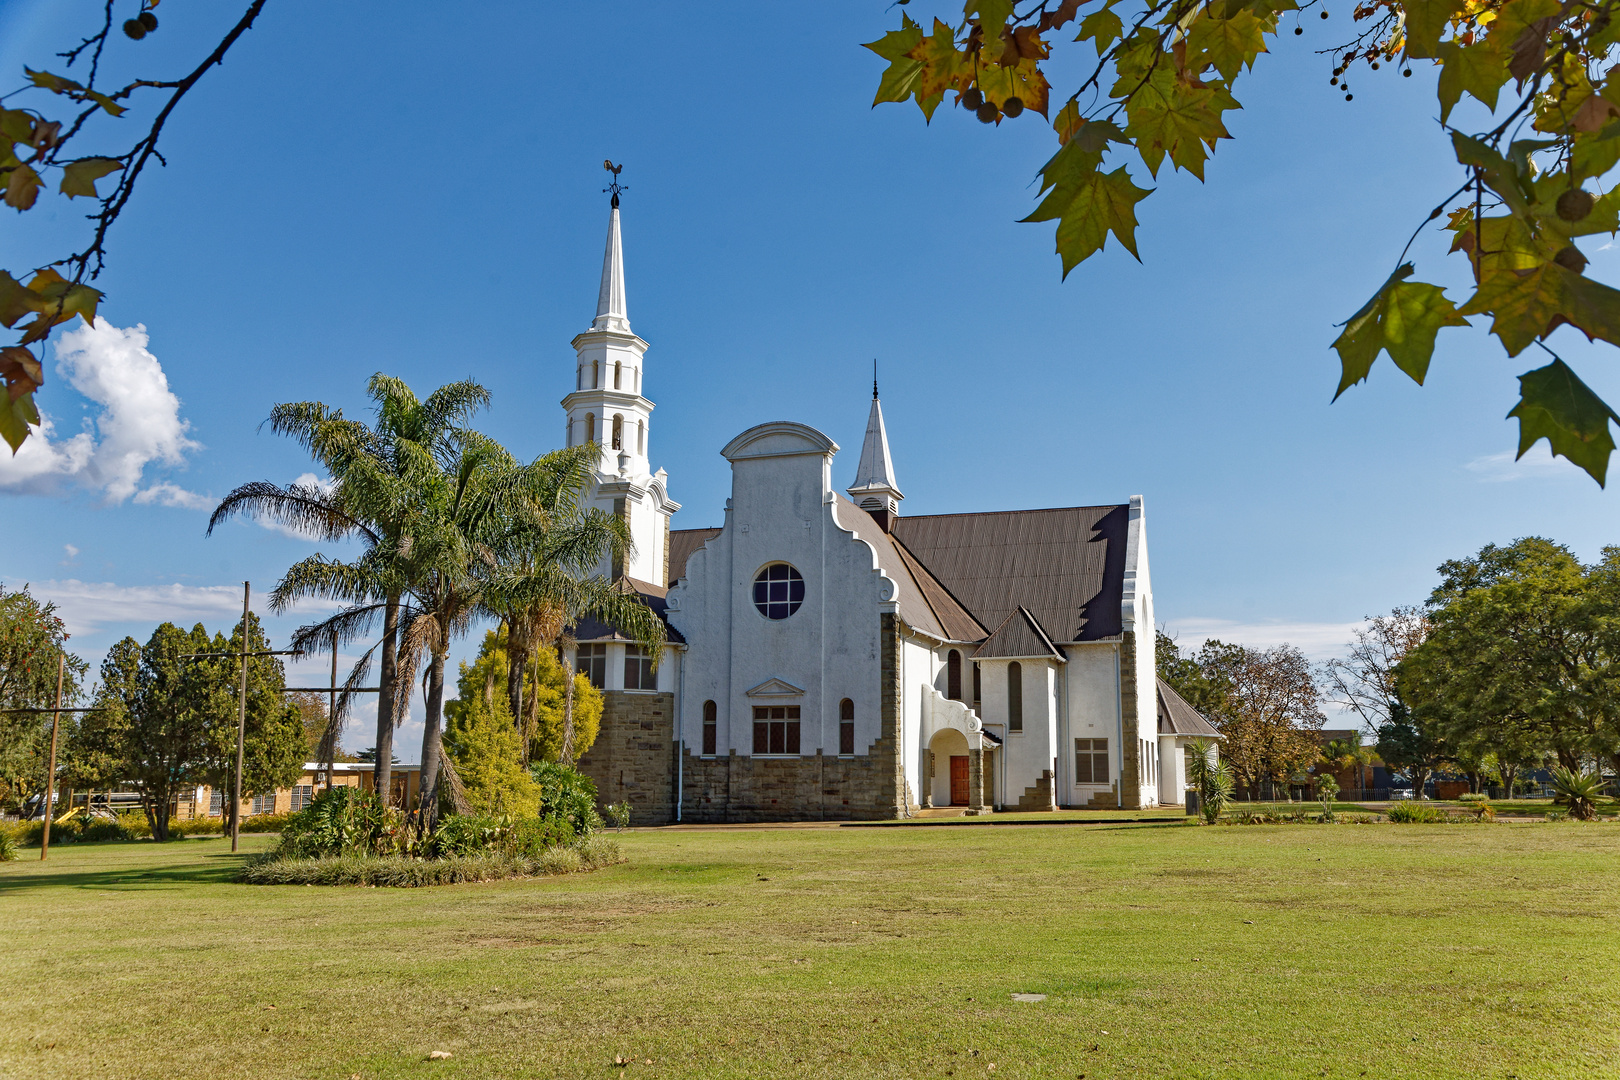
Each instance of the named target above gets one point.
<point>611,313</point>
<point>874,489</point>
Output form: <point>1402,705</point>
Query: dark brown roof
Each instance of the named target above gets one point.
<point>1176,717</point>
<point>654,596</point>
<point>924,604</point>
<point>1065,566</point>
<point>682,542</point>
<point>1019,635</point>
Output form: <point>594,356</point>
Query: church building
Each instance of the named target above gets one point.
<point>831,658</point>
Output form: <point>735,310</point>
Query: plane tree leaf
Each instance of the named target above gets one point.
<point>1172,116</point>
<point>1479,69</point>
<point>1555,405</point>
<point>1402,318</point>
<point>1426,20</point>
<point>1528,304</point>
<point>79,177</point>
<point>1228,44</point>
<point>899,81</point>
<point>1103,28</point>
<point>1087,203</point>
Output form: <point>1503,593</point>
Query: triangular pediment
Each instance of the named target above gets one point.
<point>775,688</point>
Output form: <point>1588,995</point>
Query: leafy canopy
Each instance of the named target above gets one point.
<point>1158,76</point>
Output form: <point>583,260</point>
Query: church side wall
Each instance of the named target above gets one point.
<point>1093,711</point>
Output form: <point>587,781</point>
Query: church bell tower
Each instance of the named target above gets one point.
<point>874,489</point>
<point>607,409</point>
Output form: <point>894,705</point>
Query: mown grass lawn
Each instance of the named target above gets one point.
<point>1165,951</point>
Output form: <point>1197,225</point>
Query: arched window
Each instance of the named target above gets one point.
<point>1015,696</point>
<point>846,726</point>
<point>641,437</point>
<point>590,427</point>
<point>596,374</point>
<point>618,431</point>
<point>711,726</point>
<point>618,371</point>
<point>953,675</point>
<point>977,696</point>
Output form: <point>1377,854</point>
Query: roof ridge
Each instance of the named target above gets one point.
<point>1035,624</point>
<point>1010,513</point>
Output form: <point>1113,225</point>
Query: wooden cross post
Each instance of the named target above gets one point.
<point>50,771</point>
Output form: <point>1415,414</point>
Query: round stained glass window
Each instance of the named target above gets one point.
<point>778,591</point>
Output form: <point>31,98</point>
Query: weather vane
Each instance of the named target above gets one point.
<point>614,187</point>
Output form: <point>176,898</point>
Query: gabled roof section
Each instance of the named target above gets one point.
<point>682,542</point>
<point>917,591</point>
<point>654,596</point>
<point>1065,566</point>
<point>1019,636</point>
<point>1177,717</point>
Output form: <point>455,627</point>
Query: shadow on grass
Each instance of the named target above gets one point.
<point>220,868</point>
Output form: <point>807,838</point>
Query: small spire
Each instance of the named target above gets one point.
<point>611,313</point>
<point>874,489</point>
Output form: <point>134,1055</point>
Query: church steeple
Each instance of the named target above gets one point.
<point>609,410</point>
<point>874,489</point>
<point>611,312</point>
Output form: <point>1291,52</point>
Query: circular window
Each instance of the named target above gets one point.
<point>778,591</point>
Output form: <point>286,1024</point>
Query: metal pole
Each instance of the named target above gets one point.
<point>241,724</point>
<point>50,772</point>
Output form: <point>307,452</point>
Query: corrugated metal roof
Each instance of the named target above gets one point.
<point>1066,566</point>
<point>1177,717</point>
<point>1019,635</point>
<point>914,608</point>
<point>682,542</point>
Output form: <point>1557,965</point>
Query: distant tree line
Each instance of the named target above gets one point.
<point>1512,664</point>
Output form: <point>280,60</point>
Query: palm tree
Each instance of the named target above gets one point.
<point>371,470</point>
<point>1347,755</point>
<point>541,582</point>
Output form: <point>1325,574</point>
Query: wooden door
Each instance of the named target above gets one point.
<point>959,780</point>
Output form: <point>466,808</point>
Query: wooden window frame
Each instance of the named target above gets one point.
<point>846,728</point>
<point>1093,753</point>
<point>638,669</point>
<point>1015,696</point>
<point>776,731</point>
<point>711,728</point>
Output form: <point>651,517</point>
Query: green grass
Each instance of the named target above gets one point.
<point>1166,951</point>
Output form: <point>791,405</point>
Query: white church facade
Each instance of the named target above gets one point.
<point>831,658</point>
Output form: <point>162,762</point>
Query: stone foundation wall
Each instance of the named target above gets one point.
<point>633,758</point>
<point>1038,797</point>
<point>815,788</point>
<point>1130,755</point>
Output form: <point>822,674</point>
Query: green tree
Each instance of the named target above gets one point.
<point>543,693</point>
<point>1521,656</point>
<point>1203,682</point>
<point>482,740</point>
<point>32,641</point>
<point>374,469</point>
<point>168,721</point>
<point>1155,78</point>
<point>1413,744</point>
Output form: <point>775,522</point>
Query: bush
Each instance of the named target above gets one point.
<point>619,814</point>
<point>394,871</point>
<point>1416,813</point>
<point>1471,796</point>
<point>468,834</point>
<point>566,794</point>
<point>8,848</point>
<point>344,821</point>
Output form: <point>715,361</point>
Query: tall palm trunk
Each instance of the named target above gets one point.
<point>431,742</point>
<point>383,771</point>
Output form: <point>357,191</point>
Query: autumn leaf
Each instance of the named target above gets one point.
<point>79,177</point>
<point>15,416</point>
<point>990,14</point>
<point>1528,304</point>
<point>1402,319</point>
<point>1102,27</point>
<point>1499,175</point>
<point>1087,203</point>
<point>21,370</point>
<point>1426,20</point>
<point>1023,81</point>
<point>1168,116</point>
<point>1067,122</point>
<point>1229,44</point>
<point>22,187</point>
<point>16,299</point>
<point>900,80</point>
<point>1596,153</point>
<point>943,67</point>
<point>1478,69</point>
<point>1555,405</point>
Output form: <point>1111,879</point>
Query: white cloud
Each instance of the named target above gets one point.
<point>1319,641</point>
<point>167,494</point>
<point>86,606</point>
<point>72,554</point>
<point>138,423</point>
<point>1537,463</point>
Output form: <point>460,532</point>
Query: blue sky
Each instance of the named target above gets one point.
<point>416,189</point>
